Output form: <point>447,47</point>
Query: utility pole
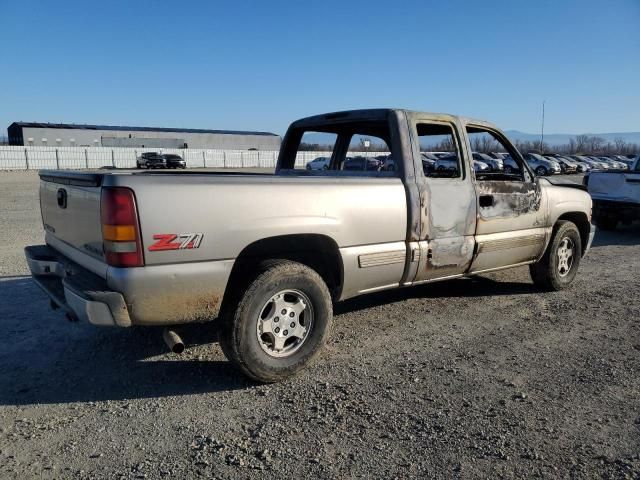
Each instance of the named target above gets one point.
<point>542,129</point>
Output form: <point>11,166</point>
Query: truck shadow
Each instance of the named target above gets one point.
<point>622,235</point>
<point>463,287</point>
<point>47,359</point>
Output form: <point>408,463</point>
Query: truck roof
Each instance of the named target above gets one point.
<point>380,114</point>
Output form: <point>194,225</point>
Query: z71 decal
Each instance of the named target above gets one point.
<point>176,241</point>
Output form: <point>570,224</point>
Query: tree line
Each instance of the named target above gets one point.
<point>583,144</point>
<point>578,145</point>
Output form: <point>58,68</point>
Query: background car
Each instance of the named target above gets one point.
<point>604,165</point>
<point>580,166</point>
<point>627,161</point>
<point>428,162</point>
<point>361,164</point>
<point>585,166</point>
<point>388,163</point>
<point>510,165</point>
<point>614,162</point>
<point>542,166</point>
<point>479,166</point>
<point>320,163</point>
<point>174,161</point>
<point>592,164</point>
<point>496,165</point>
<point>566,166</point>
<point>448,163</point>
<point>151,160</point>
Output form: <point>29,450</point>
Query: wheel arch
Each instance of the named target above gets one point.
<point>580,220</point>
<point>319,252</point>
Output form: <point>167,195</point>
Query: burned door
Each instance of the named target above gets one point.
<point>511,225</point>
<point>447,199</point>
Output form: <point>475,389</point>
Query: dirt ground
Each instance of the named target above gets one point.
<point>474,378</point>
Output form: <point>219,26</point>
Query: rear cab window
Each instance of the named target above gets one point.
<point>358,148</point>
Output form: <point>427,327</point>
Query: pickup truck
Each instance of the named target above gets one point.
<point>269,254</point>
<point>615,194</point>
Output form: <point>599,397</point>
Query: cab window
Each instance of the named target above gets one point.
<point>493,157</point>
<point>439,151</point>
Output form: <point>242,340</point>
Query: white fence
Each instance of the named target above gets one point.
<point>36,158</point>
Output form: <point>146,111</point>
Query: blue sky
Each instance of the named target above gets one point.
<point>259,65</point>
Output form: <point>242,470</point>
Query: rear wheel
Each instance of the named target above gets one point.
<point>559,265</point>
<point>279,324</point>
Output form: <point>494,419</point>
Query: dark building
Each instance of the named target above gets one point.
<point>74,135</point>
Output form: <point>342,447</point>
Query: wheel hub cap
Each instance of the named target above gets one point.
<point>284,323</point>
<point>565,256</point>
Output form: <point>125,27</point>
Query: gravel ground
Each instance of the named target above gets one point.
<point>471,378</point>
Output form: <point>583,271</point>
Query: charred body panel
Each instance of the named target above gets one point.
<point>447,207</point>
<point>512,226</point>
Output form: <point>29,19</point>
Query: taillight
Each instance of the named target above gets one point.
<point>120,231</point>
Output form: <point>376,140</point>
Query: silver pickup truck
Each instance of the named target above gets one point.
<point>269,254</point>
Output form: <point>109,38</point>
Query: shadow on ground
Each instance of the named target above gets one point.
<point>622,235</point>
<point>46,359</point>
<point>464,287</point>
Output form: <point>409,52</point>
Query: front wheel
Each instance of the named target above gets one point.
<point>541,171</point>
<point>559,265</point>
<point>279,324</point>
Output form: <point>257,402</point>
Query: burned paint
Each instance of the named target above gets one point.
<point>449,256</point>
<point>509,198</point>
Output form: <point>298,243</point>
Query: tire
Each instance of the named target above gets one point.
<point>507,169</point>
<point>547,272</point>
<point>242,322</point>
<point>541,172</point>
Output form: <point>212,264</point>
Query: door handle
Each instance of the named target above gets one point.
<point>486,201</point>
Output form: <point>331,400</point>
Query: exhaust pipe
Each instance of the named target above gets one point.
<point>173,341</point>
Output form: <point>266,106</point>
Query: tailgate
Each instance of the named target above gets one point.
<point>70,206</point>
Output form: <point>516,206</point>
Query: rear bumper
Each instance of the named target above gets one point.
<point>159,295</point>
<point>82,294</point>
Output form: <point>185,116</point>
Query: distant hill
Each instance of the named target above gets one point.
<point>563,138</point>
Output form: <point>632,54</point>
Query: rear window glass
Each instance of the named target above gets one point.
<point>346,148</point>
